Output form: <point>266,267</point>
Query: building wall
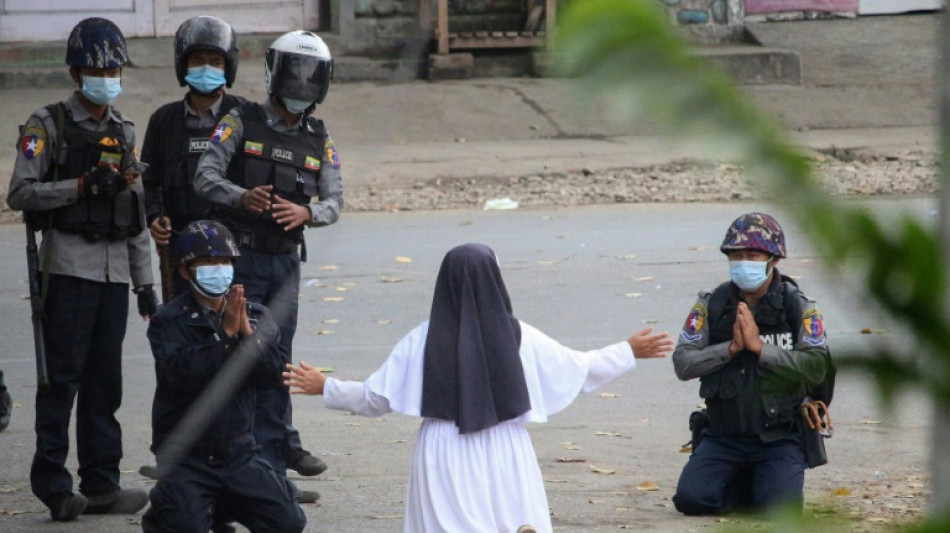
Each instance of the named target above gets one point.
<point>708,21</point>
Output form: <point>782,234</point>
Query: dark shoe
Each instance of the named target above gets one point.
<point>304,464</point>
<point>308,496</point>
<point>66,506</point>
<point>149,471</point>
<point>6,408</point>
<point>117,501</point>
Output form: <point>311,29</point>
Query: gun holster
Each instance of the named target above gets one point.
<point>698,421</point>
<point>815,426</point>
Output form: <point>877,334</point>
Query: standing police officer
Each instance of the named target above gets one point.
<point>206,60</point>
<point>264,165</point>
<point>70,178</point>
<point>757,344</point>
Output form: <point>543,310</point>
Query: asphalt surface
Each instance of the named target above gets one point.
<point>578,274</point>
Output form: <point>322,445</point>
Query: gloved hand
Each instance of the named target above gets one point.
<point>104,182</point>
<point>147,300</point>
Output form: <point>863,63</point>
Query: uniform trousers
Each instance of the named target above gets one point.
<point>84,326</point>
<point>246,489</point>
<point>274,281</point>
<point>768,474</point>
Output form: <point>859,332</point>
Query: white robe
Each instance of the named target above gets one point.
<point>488,481</point>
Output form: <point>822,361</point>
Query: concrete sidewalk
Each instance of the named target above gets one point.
<point>868,82</point>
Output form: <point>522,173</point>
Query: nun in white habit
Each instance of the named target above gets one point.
<point>476,375</point>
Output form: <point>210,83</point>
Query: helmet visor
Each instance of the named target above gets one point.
<point>302,77</point>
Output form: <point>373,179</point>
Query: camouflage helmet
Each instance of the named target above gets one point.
<point>205,238</point>
<point>96,43</point>
<point>755,231</point>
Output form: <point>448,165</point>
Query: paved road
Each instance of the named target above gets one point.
<point>587,276</point>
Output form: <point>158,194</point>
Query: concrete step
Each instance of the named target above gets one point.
<point>41,65</point>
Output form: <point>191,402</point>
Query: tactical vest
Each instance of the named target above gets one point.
<point>78,151</point>
<point>743,398</point>
<point>180,162</point>
<point>290,162</point>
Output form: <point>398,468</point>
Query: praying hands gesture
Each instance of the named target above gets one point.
<point>745,332</point>
<point>647,345</point>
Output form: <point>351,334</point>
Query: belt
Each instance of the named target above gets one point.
<point>266,243</point>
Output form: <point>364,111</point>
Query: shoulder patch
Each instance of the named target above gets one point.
<point>221,132</point>
<point>694,323</point>
<point>814,333</point>
<point>31,145</point>
<point>332,154</point>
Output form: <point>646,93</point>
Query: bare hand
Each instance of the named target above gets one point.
<point>161,230</point>
<point>290,215</point>
<point>304,380</point>
<point>750,330</point>
<point>257,199</point>
<point>737,344</point>
<point>235,311</point>
<point>647,346</point>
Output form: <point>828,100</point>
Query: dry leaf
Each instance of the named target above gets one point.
<point>570,460</point>
<point>333,299</point>
<point>609,395</point>
<point>633,295</point>
<point>686,449</point>
<point>648,486</point>
<point>12,512</point>
<point>387,279</point>
<point>323,332</point>
<point>604,471</point>
<point>606,434</point>
<point>328,267</point>
<point>649,321</point>
<point>387,517</point>
<point>869,421</point>
<point>841,492</point>
<point>403,259</point>
<point>331,321</point>
<point>341,289</point>
<point>593,501</point>
<point>354,424</point>
<point>572,448</point>
<point>400,441</point>
<point>384,321</point>
<point>625,256</point>
<point>546,263</point>
<point>700,248</point>
<point>325,369</point>
<point>643,278</point>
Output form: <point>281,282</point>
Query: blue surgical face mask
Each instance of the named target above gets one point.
<point>213,281</point>
<point>100,90</point>
<point>205,79</point>
<point>296,106</point>
<point>748,275</point>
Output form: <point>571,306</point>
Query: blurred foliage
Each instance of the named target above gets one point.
<point>629,54</point>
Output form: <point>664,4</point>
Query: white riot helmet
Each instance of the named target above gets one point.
<point>298,67</point>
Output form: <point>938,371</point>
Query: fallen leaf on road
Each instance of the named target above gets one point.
<point>633,295</point>
<point>333,299</point>
<point>341,289</point>
<point>841,492</point>
<point>331,321</point>
<point>609,395</point>
<point>570,460</point>
<point>648,485</point>
<point>604,471</point>
<point>869,421</point>
<point>643,278</point>
<point>323,332</point>
<point>626,256</point>
<point>403,259</point>
<point>325,369</point>
<point>328,267</point>
<point>387,279</point>
<point>649,321</point>
<point>607,434</point>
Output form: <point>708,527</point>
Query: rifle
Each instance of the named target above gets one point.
<point>36,305</point>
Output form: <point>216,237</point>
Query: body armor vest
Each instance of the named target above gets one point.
<point>743,398</point>
<point>113,218</point>
<point>290,162</point>
<point>180,163</point>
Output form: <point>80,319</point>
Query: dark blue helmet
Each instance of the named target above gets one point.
<point>206,33</point>
<point>755,231</point>
<point>205,238</point>
<point>96,43</point>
